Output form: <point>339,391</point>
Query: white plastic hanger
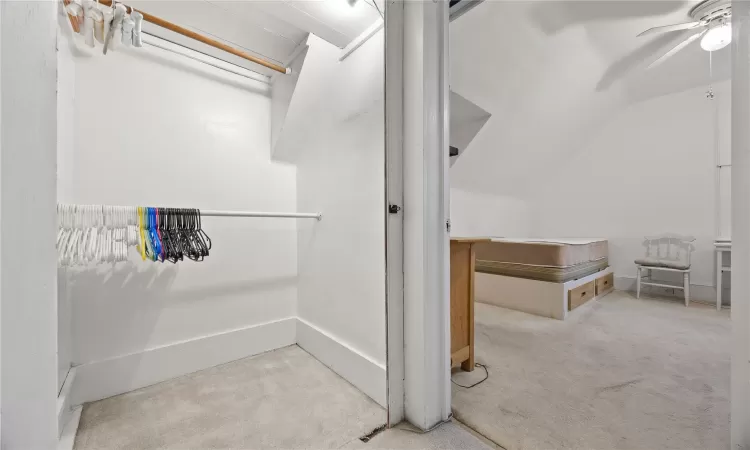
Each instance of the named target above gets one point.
<point>115,27</point>
<point>74,8</point>
<point>138,22</point>
<point>109,15</point>
<point>88,22</point>
<point>127,30</point>
<point>98,17</point>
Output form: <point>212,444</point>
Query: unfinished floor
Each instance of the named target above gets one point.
<point>281,399</point>
<point>621,374</point>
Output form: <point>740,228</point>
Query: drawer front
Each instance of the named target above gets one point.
<point>605,283</point>
<point>580,295</point>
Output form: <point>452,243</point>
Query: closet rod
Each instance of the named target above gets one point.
<point>200,38</point>
<point>258,76</point>
<point>282,215</point>
<point>215,213</point>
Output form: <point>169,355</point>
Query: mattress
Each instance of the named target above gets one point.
<point>555,260</point>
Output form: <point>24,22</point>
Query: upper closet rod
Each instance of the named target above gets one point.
<point>200,38</point>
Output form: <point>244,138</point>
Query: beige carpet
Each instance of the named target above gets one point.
<point>281,399</point>
<point>622,374</point>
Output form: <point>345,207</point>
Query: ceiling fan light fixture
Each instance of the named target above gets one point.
<point>717,38</point>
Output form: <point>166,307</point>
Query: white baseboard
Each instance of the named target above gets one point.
<point>68,436</point>
<point>102,379</point>
<point>698,292</point>
<point>64,401</point>
<point>365,374</point>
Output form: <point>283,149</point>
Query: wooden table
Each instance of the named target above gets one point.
<point>462,302</point>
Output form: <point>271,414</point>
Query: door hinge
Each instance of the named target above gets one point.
<point>394,209</point>
<point>448,225</point>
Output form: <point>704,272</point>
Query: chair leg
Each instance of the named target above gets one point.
<point>686,277</point>
<point>638,283</point>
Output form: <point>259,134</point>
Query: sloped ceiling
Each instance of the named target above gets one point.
<point>552,72</point>
<point>269,29</point>
<point>466,120</point>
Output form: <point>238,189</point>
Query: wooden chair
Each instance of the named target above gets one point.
<point>668,253</point>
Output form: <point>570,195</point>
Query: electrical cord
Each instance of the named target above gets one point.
<point>486,375</point>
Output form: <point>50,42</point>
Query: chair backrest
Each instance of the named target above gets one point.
<point>669,247</point>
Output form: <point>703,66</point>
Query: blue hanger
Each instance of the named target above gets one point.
<point>159,247</point>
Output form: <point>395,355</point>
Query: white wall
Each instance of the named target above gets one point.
<point>27,225</point>
<point>576,66</point>
<point>282,95</point>
<point>542,93</point>
<point>724,141</point>
<point>580,116</point>
<point>154,128</point>
<point>340,172</point>
<point>66,121</point>
<point>1,133</point>
<point>649,170</point>
<point>476,214</point>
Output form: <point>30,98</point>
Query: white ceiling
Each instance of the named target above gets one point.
<point>332,20</point>
<point>271,29</point>
<point>612,28</point>
<point>552,72</point>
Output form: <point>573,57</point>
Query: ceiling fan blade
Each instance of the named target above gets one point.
<point>677,48</point>
<point>668,28</point>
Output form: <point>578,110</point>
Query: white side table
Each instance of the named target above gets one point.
<point>721,245</point>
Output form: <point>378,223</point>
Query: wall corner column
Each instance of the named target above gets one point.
<point>740,373</point>
<point>28,224</point>
<point>426,209</point>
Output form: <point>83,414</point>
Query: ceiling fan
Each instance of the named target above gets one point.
<point>712,21</point>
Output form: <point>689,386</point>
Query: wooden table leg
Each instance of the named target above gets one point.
<point>468,365</point>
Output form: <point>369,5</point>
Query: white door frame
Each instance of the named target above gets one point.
<point>418,352</point>
<point>417,170</point>
<point>740,374</point>
<point>394,195</point>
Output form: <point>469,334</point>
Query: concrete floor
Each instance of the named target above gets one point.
<point>281,399</point>
<point>621,373</point>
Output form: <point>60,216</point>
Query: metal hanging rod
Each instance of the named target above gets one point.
<point>220,213</point>
<point>200,38</point>
<point>217,213</point>
<point>255,77</point>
